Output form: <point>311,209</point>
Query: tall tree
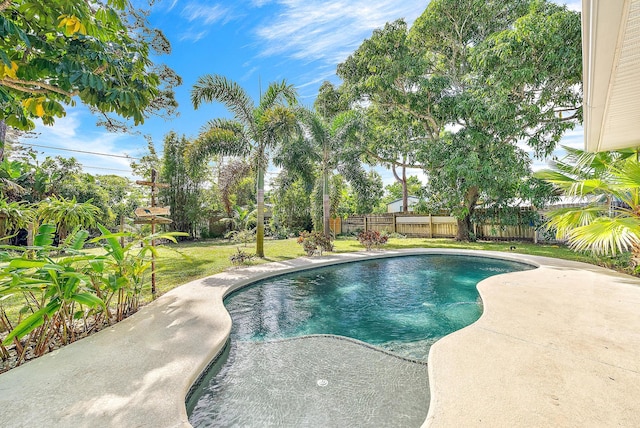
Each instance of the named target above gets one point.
<point>54,52</point>
<point>330,145</point>
<point>514,75</point>
<point>402,100</point>
<point>481,77</point>
<point>184,194</point>
<point>253,131</point>
<point>330,101</point>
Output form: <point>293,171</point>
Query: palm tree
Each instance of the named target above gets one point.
<point>253,131</point>
<point>67,214</point>
<point>327,143</point>
<point>611,222</point>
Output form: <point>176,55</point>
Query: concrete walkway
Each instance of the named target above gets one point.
<point>555,346</point>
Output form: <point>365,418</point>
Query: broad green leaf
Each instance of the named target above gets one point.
<point>33,321</point>
<point>45,236</point>
<point>88,299</point>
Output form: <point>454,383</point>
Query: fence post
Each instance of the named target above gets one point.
<point>395,227</point>
<point>431,226</point>
<point>365,222</point>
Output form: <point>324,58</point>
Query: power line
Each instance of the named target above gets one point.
<point>108,169</point>
<point>80,151</point>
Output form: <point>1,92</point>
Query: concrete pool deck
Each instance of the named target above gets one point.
<point>555,346</point>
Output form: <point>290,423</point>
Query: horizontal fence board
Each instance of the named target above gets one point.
<point>432,226</point>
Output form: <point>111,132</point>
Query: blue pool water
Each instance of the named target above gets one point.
<point>389,303</point>
<point>401,305</point>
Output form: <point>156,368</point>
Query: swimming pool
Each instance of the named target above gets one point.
<point>290,363</point>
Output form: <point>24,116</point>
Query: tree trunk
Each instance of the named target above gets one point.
<point>403,182</point>
<point>464,223</point>
<point>3,137</point>
<point>326,205</point>
<point>405,191</point>
<point>260,212</point>
<point>464,227</point>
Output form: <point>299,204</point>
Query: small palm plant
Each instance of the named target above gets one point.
<point>67,214</point>
<point>610,224</point>
<point>14,216</point>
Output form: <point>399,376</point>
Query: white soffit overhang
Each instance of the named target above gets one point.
<point>611,73</point>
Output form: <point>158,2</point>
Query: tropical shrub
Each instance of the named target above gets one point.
<point>241,257</point>
<point>14,216</point>
<point>314,242</point>
<point>67,214</point>
<point>241,236</point>
<point>69,296</point>
<point>372,239</point>
<point>610,223</point>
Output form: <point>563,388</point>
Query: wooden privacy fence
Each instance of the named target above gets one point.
<point>428,226</point>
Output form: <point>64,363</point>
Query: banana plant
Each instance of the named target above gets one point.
<point>58,288</point>
<point>64,284</point>
<point>120,273</point>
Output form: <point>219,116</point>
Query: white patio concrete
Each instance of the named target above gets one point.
<point>555,346</point>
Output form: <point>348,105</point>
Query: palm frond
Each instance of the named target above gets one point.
<point>225,140</point>
<point>278,93</point>
<point>564,220</point>
<point>627,176</point>
<point>210,88</point>
<point>276,124</point>
<point>315,129</point>
<point>346,125</point>
<point>607,235</point>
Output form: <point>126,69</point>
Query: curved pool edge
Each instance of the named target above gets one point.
<point>554,346</point>
<point>149,361</point>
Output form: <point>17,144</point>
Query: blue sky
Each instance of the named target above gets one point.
<point>253,42</point>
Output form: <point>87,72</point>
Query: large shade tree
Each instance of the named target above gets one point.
<point>490,75</point>
<point>387,75</point>
<point>253,131</point>
<point>514,72</point>
<point>100,52</point>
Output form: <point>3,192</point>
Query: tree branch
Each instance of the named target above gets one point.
<point>5,4</point>
<point>39,87</point>
<point>391,161</point>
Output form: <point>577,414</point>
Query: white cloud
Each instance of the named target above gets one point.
<point>69,133</point>
<point>173,4</point>
<point>193,36</point>
<point>249,73</point>
<point>205,14</point>
<point>329,31</point>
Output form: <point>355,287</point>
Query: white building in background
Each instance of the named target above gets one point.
<point>396,206</point>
